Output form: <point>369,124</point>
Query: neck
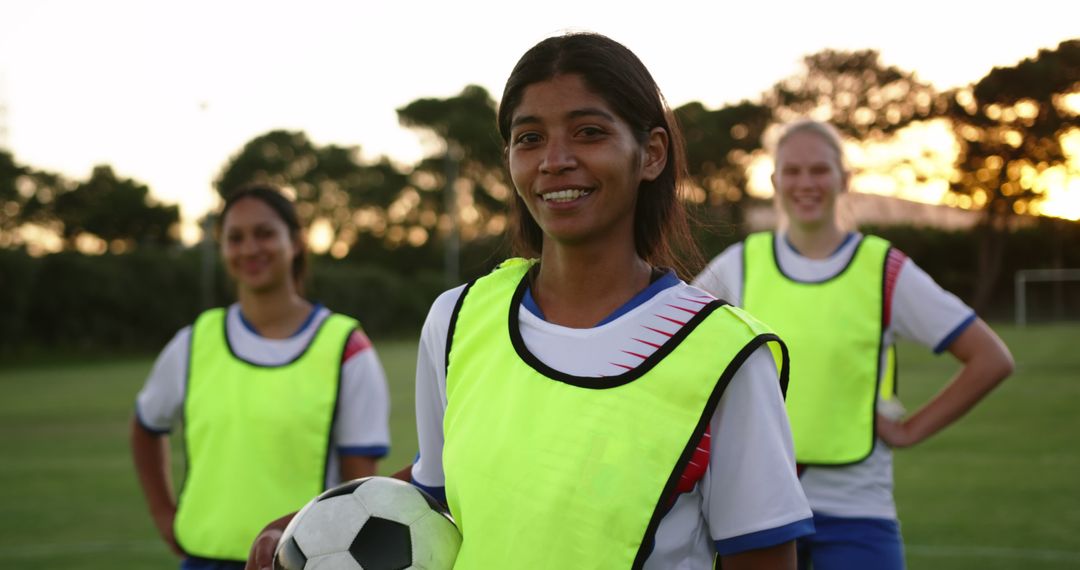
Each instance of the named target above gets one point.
<point>817,242</point>
<point>578,286</point>
<point>276,313</point>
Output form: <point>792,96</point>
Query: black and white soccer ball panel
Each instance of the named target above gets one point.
<point>375,523</point>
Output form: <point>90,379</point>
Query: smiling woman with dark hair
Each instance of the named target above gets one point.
<point>272,378</point>
<point>581,406</point>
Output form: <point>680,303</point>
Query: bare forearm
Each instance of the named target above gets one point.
<point>356,466</point>
<point>986,363</point>
<point>151,455</point>
<point>970,385</point>
<point>404,474</point>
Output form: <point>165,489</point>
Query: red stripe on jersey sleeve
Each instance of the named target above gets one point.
<point>358,342</point>
<point>893,263</point>
<point>699,462</point>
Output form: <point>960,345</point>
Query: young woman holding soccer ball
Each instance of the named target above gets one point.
<point>584,407</point>
<point>273,379</point>
<point>840,299</point>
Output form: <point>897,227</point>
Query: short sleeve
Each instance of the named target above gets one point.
<point>362,426</point>
<point>431,392</point>
<point>159,404</point>
<point>924,312</point>
<point>723,277</point>
<point>751,492</point>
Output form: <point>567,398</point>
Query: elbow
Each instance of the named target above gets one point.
<point>997,365</point>
<point>1007,364</point>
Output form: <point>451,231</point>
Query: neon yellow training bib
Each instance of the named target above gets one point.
<point>545,470</point>
<point>256,437</point>
<point>834,331</point>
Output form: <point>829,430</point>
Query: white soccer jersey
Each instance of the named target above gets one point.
<point>748,496</point>
<point>919,310</point>
<point>361,426</point>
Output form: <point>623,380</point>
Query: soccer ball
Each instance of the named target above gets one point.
<point>374,523</point>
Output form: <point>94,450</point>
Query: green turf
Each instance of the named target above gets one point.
<point>994,491</point>
<point>69,498</point>
<point>998,489</point>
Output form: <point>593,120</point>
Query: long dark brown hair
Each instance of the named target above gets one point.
<point>661,228</point>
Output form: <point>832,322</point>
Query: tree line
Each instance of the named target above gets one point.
<point>1009,129</point>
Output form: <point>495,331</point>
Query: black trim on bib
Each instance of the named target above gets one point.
<point>648,541</point>
<point>334,413</point>
<point>299,355</point>
<point>184,440</point>
<point>895,370</point>
<point>880,353</point>
<point>785,364</point>
<point>776,262</point>
<point>878,377</point>
<point>187,385</point>
<point>593,382</point>
<point>453,325</point>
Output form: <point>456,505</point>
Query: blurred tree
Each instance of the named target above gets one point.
<point>336,193</point>
<point>856,92</point>
<point>1010,126</point>
<point>467,119</point>
<point>26,197</point>
<point>719,147</point>
<point>868,101</point>
<point>115,210</point>
<point>469,156</point>
<point>11,200</point>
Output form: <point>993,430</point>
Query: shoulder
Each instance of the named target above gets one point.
<point>903,274</point>
<point>178,346</point>
<point>358,343</point>
<point>723,275</point>
<point>731,255</point>
<point>437,324</point>
<point>442,308</point>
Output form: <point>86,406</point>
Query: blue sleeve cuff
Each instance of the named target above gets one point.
<point>147,427</point>
<point>438,492</point>
<point>949,338</point>
<point>376,451</point>
<point>765,538</point>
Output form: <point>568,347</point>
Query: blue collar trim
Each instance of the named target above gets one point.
<point>666,281</point>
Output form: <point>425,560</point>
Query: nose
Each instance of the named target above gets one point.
<point>247,246</point>
<point>558,157</point>
<point>804,180</point>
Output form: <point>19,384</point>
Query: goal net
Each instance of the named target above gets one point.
<point>1047,295</point>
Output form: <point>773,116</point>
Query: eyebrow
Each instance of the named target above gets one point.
<point>575,114</point>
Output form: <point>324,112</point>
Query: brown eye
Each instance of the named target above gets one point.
<point>527,138</point>
<point>590,131</point>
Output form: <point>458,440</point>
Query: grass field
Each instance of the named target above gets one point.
<point>996,491</point>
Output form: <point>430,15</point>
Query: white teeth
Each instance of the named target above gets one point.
<point>565,195</point>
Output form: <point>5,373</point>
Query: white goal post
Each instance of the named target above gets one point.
<point>1031,275</point>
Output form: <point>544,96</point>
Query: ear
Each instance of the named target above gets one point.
<point>845,180</point>
<point>655,151</point>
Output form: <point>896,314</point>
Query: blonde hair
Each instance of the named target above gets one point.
<point>845,214</point>
<point>826,131</point>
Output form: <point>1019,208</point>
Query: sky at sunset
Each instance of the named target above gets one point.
<point>166,92</point>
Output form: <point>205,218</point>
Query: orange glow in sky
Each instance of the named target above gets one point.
<point>166,92</point>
